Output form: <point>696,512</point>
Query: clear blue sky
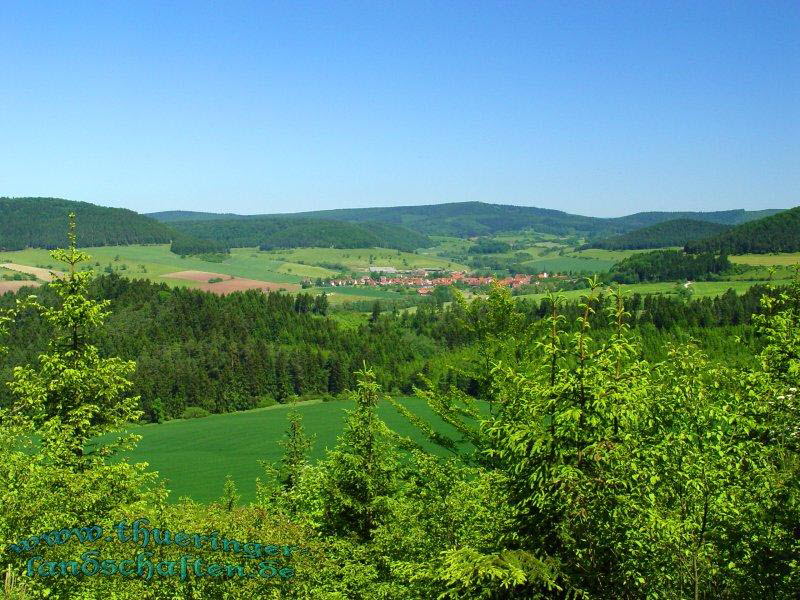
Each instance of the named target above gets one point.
<point>600,108</point>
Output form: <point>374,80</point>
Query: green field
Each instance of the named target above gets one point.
<point>194,456</point>
<point>606,255</point>
<point>699,289</point>
<point>361,258</point>
<point>154,261</point>
<point>786,259</point>
<point>567,264</point>
<point>338,295</point>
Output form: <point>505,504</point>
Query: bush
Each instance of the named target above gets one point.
<point>194,412</point>
<point>265,402</point>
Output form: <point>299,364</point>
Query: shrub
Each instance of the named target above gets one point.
<point>194,412</point>
<point>266,401</point>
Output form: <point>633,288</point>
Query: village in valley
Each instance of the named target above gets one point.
<point>425,280</point>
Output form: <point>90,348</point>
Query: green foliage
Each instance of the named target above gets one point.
<point>69,398</point>
<point>74,395</point>
<point>593,472</point>
<point>39,223</point>
<point>293,232</point>
<point>185,245</point>
<point>776,233</point>
<point>467,219</point>
<point>359,474</point>
<point>194,412</point>
<point>484,246</point>
<point>669,265</point>
<point>297,446</point>
<point>661,235</point>
<point>667,480</point>
<point>223,353</point>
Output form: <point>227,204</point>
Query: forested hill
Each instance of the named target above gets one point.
<point>286,232</point>
<point>39,223</point>
<point>724,217</point>
<point>777,233</point>
<point>464,219</point>
<point>677,232</point>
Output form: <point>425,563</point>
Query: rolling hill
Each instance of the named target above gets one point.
<point>776,233</point>
<point>289,232</point>
<point>42,223</point>
<point>676,232</point>
<point>466,219</point>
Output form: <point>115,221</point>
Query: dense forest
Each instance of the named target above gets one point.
<point>39,223</point>
<point>676,232</point>
<point>249,349</point>
<point>669,265</point>
<point>286,232</point>
<point>225,353</point>
<point>778,233</point>
<point>184,244</point>
<point>579,469</point>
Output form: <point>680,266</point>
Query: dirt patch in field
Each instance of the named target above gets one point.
<point>229,284</point>
<point>13,286</point>
<point>201,276</point>
<point>239,285</point>
<point>43,274</point>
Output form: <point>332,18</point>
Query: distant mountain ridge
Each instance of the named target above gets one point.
<point>465,219</point>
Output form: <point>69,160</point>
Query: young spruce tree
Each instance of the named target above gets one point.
<point>74,395</point>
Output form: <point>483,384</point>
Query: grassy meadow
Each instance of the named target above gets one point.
<point>194,456</point>
<point>784,259</point>
<point>362,258</point>
<point>699,289</point>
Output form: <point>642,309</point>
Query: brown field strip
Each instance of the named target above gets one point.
<point>13,286</point>
<point>229,284</point>
<point>201,276</point>
<point>43,274</point>
<point>240,285</point>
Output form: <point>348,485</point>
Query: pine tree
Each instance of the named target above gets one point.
<point>296,447</point>
<point>74,395</point>
<point>360,473</point>
<point>376,312</point>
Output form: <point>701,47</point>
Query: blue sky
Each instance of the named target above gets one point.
<point>599,108</point>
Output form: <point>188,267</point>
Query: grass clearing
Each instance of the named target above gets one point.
<point>569,264</point>
<point>785,259</point>
<point>700,289</point>
<point>194,456</point>
<point>606,255</point>
<point>361,258</point>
